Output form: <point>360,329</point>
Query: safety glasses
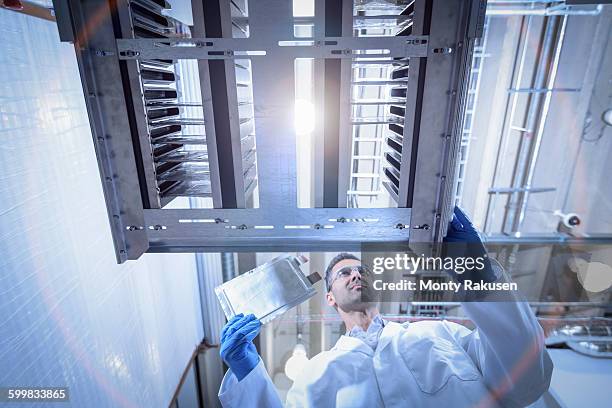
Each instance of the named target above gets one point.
<point>346,272</point>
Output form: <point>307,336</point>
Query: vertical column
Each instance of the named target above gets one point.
<point>331,103</point>
<point>414,99</point>
<point>108,112</point>
<point>137,114</point>
<point>345,128</point>
<point>212,19</point>
<point>434,131</point>
<point>274,100</point>
<point>318,185</point>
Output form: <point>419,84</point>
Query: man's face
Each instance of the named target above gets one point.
<point>349,286</point>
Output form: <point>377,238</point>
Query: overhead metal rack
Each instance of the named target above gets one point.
<point>398,66</point>
<point>371,96</point>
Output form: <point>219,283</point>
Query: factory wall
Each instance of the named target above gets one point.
<point>575,149</point>
<point>116,335</point>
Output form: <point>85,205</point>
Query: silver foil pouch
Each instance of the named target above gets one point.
<point>268,290</point>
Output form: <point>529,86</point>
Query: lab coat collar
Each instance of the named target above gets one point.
<point>347,343</point>
<point>390,330</point>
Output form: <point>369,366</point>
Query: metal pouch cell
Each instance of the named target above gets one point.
<point>268,290</point>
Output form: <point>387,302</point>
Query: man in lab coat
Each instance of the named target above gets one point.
<point>502,363</point>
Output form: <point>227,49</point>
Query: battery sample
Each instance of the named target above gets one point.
<point>268,290</point>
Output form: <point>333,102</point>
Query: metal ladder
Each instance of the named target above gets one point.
<point>478,60</point>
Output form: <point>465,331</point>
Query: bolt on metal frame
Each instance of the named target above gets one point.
<point>439,49</point>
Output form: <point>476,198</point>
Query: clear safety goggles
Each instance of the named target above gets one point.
<point>346,272</point>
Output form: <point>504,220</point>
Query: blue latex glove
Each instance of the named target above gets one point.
<point>237,348</point>
<point>462,240</point>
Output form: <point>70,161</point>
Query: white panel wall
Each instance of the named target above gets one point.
<point>575,154</point>
<point>116,335</point>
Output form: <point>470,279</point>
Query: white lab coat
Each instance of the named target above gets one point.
<point>423,364</point>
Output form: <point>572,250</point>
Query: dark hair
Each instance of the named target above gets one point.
<point>340,257</point>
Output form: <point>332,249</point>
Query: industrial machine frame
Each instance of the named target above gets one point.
<point>436,51</point>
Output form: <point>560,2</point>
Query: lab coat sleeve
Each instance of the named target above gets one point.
<point>299,396</point>
<point>508,348</point>
<point>255,390</point>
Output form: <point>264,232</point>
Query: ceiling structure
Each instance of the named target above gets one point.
<point>398,67</point>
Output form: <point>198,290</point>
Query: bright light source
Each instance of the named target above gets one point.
<point>607,117</point>
<point>304,117</point>
<point>296,362</point>
<point>303,8</point>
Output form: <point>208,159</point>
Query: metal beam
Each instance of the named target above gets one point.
<point>274,99</point>
<point>220,100</point>
<point>134,95</point>
<point>345,128</point>
<point>412,119</point>
<point>112,134</point>
<point>199,30</point>
<point>439,107</point>
<point>318,81</point>
<point>331,110</point>
<point>260,48</point>
<point>303,229</point>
